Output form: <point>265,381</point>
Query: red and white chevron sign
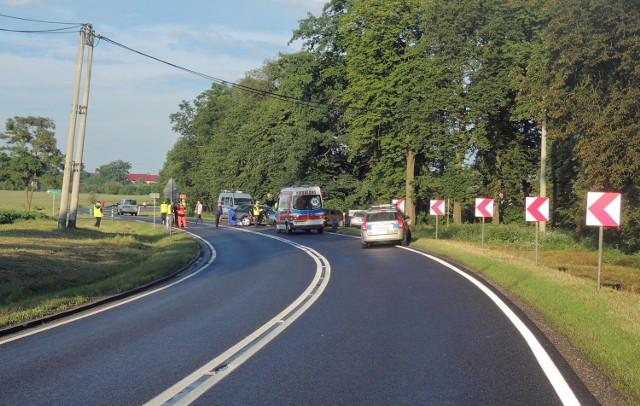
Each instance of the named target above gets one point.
<point>537,209</point>
<point>484,207</point>
<point>437,208</point>
<point>603,209</point>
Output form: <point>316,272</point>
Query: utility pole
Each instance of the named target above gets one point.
<point>543,167</point>
<point>82,110</point>
<point>86,34</point>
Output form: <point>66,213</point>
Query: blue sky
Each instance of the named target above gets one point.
<point>131,97</point>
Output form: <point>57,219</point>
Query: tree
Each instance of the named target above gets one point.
<point>31,144</point>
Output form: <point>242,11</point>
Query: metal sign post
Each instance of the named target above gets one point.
<point>603,210</point>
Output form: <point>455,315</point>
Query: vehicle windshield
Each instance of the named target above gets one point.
<point>242,200</point>
<point>308,202</point>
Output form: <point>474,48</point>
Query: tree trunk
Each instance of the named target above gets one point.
<point>457,213</point>
<point>409,206</point>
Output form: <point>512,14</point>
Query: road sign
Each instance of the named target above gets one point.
<point>399,204</point>
<point>171,189</point>
<point>437,207</point>
<point>484,207</point>
<point>54,191</point>
<point>603,209</point>
<point>537,209</point>
<point>154,195</point>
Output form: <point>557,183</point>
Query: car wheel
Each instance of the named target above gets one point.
<point>289,228</point>
<point>365,245</point>
<point>245,221</point>
<point>320,230</point>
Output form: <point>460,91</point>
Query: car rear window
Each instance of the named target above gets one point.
<point>382,216</point>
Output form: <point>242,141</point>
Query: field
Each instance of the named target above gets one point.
<point>50,203</point>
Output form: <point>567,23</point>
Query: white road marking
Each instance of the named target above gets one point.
<point>204,378</point>
<point>549,368</point>
<point>72,319</point>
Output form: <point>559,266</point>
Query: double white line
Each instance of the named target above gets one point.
<point>204,378</point>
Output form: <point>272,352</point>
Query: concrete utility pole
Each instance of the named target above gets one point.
<point>86,35</point>
<point>82,110</point>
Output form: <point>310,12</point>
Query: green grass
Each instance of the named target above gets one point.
<point>46,270</point>
<point>50,204</point>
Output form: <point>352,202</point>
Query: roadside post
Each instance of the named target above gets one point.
<point>53,193</point>
<point>484,208</point>
<point>537,210</point>
<point>154,196</point>
<point>603,210</point>
<point>113,216</point>
<point>437,208</point>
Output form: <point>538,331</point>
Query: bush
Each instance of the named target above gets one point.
<point>10,216</point>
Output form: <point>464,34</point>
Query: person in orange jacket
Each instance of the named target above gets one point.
<point>182,215</point>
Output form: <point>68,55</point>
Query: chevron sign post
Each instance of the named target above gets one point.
<point>603,210</point>
<point>484,208</point>
<point>537,210</point>
<point>437,208</point>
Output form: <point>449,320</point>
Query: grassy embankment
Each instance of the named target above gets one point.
<point>44,270</point>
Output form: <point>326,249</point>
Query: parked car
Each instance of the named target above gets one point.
<point>129,206</point>
<point>384,224</point>
<point>330,215</point>
<point>244,214</point>
<point>357,218</point>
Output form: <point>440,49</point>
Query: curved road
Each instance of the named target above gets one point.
<point>271,319</point>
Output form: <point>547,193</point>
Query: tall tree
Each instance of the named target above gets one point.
<point>594,47</point>
<point>31,144</point>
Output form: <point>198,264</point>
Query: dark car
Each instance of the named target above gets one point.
<point>331,214</point>
<point>244,215</point>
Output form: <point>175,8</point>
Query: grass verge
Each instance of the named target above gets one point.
<point>46,270</point>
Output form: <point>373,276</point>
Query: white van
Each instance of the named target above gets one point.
<point>300,208</point>
<point>231,199</point>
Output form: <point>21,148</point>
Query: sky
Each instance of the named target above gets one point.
<point>131,97</point>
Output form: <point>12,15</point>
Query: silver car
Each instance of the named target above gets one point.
<point>384,224</point>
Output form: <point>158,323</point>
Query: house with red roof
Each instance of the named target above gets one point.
<point>147,178</point>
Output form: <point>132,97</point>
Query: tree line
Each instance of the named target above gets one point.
<point>433,99</point>
<point>31,161</point>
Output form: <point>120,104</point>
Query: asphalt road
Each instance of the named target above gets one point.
<point>322,321</point>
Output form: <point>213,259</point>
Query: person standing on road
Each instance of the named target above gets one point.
<point>257,211</point>
<point>218,213</point>
<point>164,211</point>
<point>97,213</point>
<point>199,212</point>
<point>182,215</point>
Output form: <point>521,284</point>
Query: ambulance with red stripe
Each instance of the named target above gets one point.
<point>300,208</point>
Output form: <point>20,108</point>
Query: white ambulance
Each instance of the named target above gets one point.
<point>300,208</point>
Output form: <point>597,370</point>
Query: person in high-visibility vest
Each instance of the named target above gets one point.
<point>97,213</point>
<point>182,215</point>
<point>164,211</point>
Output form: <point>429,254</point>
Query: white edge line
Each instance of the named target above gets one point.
<point>546,363</point>
<point>72,319</point>
<point>184,383</point>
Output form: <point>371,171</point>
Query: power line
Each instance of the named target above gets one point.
<point>39,21</point>
<point>190,71</point>
<point>212,78</point>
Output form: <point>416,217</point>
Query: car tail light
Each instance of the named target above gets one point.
<point>400,221</point>
<point>364,225</point>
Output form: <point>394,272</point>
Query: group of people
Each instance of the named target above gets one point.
<point>179,210</point>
